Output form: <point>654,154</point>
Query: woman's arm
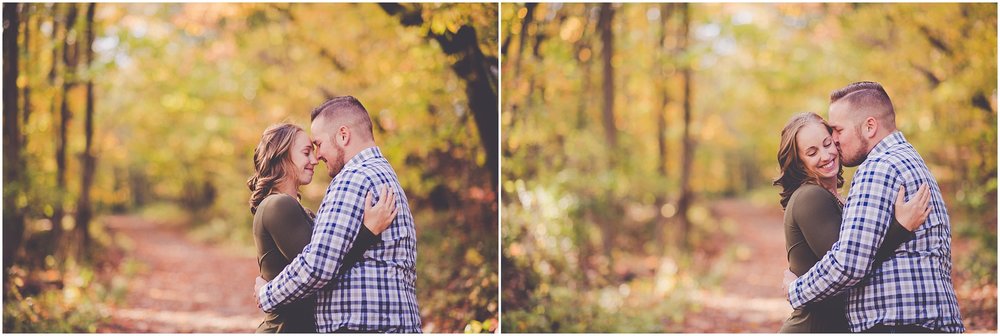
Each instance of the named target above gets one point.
<point>287,224</point>
<point>895,236</point>
<point>376,219</point>
<point>818,216</point>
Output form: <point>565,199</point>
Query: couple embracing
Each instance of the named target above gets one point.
<point>879,261</point>
<point>350,266</point>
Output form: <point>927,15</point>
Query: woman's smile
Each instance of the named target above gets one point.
<point>829,166</point>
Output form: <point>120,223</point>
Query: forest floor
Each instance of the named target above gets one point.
<point>750,298</point>
<point>182,286</point>
<point>185,286</point>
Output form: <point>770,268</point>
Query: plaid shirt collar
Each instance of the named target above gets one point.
<point>364,155</point>
<point>894,138</point>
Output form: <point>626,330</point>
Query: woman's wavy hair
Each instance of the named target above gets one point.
<point>793,171</point>
<point>272,162</point>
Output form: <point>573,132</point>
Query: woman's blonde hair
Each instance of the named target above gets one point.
<point>272,162</point>
<point>793,171</point>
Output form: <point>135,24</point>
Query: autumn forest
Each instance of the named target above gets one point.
<point>570,167</point>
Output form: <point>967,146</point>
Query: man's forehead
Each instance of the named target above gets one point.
<point>837,111</point>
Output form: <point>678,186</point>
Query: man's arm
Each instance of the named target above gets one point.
<point>336,226</point>
<point>866,217</point>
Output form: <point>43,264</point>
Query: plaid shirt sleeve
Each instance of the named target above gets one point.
<point>337,223</point>
<point>866,218</point>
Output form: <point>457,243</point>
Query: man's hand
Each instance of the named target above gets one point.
<point>256,289</point>
<point>788,279</point>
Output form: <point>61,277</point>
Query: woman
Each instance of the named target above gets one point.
<point>283,162</point>
<point>811,175</point>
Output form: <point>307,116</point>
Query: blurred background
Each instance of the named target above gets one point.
<point>639,145</point>
<point>129,132</point>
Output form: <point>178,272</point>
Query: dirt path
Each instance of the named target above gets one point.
<point>182,286</point>
<point>749,298</point>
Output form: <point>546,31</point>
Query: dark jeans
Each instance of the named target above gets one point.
<point>904,329</point>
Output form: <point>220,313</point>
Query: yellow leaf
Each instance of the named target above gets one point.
<point>437,26</point>
<point>474,258</point>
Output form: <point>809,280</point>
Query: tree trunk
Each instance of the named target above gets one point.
<point>13,169</point>
<point>685,200</point>
<point>479,73</point>
<point>583,99</point>
<point>607,51</point>
<point>661,122</point>
<point>84,208</point>
<point>69,62</point>
<point>528,19</point>
<point>661,117</point>
<point>26,92</point>
<point>585,63</point>
<point>604,22</point>
<point>138,186</point>
<point>54,68</point>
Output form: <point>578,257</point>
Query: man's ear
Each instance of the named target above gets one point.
<point>870,127</point>
<point>343,136</point>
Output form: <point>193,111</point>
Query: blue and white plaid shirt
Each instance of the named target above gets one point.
<point>914,287</point>
<point>379,292</point>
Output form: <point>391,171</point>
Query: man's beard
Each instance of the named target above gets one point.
<point>334,168</point>
<point>858,156</point>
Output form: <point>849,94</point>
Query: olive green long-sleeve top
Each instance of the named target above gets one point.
<point>281,229</point>
<point>812,226</point>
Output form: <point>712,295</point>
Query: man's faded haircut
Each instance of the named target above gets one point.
<point>869,98</point>
<point>349,110</point>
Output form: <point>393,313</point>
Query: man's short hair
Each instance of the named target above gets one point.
<point>349,110</point>
<point>868,98</point>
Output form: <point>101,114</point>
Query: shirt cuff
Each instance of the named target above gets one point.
<point>260,297</point>
<point>791,295</point>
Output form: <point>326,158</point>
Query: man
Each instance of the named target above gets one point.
<point>378,293</point>
<point>912,291</point>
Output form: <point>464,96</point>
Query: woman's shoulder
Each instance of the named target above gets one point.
<point>811,199</point>
<point>812,194</point>
<point>278,203</point>
<point>281,210</point>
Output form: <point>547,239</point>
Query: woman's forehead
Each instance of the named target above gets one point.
<point>813,132</point>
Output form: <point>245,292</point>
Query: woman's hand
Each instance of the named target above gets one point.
<point>378,216</point>
<point>787,280</point>
<point>913,213</point>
